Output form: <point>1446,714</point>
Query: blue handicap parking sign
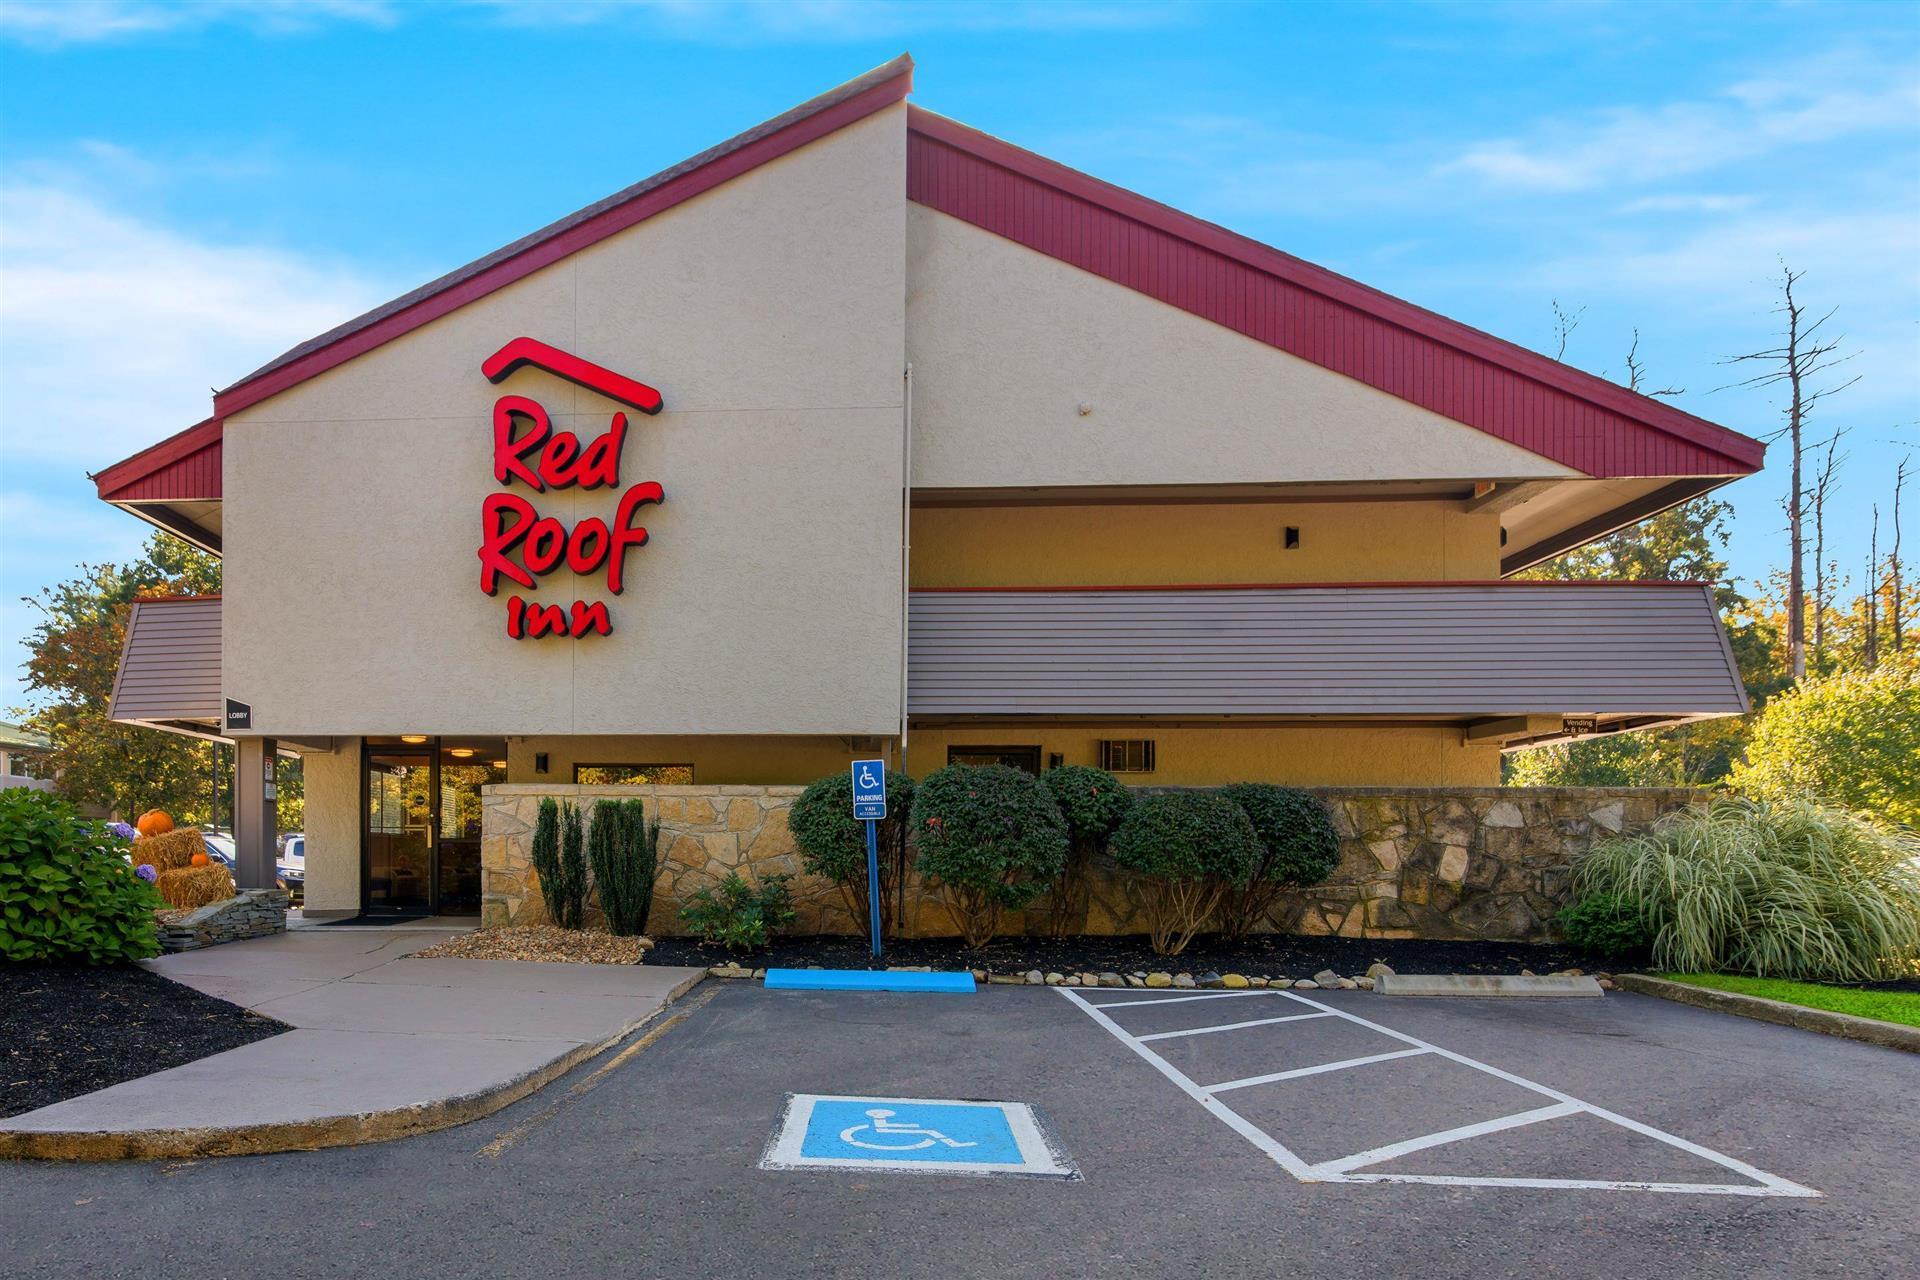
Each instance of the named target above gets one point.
<point>931,1135</point>
<point>869,789</point>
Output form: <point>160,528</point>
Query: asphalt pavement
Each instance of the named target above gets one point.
<point>1623,1137</point>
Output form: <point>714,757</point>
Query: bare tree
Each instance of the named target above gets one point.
<point>1872,642</point>
<point>1823,573</point>
<point>1797,363</point>
<point>1893,562</point>
<point>1637,372</point>
<point>1564,323</point>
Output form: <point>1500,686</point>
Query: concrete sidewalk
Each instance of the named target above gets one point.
<point>383,1046</point>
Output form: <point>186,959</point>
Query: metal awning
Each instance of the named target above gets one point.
<point>1620,654</point>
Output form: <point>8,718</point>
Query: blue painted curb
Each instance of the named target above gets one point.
<point>869,980</point>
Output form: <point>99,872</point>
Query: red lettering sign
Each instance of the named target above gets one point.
<point>519,544</point>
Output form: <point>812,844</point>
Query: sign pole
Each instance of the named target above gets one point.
<point>873,886</point>
<point>870,806</point>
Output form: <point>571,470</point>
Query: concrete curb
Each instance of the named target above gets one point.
<point>1888,1035</point>
<point>1505,986</point>
<point>312,1135</point>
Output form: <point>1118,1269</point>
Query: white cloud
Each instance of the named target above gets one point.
<point>51,23</point>
<point>112,328</point>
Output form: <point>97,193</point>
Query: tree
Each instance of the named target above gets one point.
<point>1823,484</point>
<point>1797,363</point>
<point>1851,739</point>
<point>72,656</point>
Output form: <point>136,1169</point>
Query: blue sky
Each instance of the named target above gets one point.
<point>186,190</point>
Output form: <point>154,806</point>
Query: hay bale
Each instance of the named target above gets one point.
<point>174,849</point>
<point>189,887</point>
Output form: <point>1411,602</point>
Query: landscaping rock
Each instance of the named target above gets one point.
<point>1112,980</point>
<point>1280,984</point>
<point>1135,982</point>
<point>979,975</point>
<point>1184,981</point>
<point>1306,984</point>
<point>1606,984</point>
<point>1376,969</point>
<point>1056,979</point>
<point>1235,981</point>
<point>252,913</point>
<point>1007,980</point>
<point>1211,979</point>
<point>1254,982</point>
<point>1365,984</point>
<point>1163,980</point>
<point>1035,978</point>
<point>1326,978</point>
<point>1346,984</point>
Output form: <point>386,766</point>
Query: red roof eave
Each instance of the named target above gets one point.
<point>117,482</point>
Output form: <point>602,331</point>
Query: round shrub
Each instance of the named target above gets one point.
<point>1190,846</point>
<point>67,891</point>
<point>1298,847</point>
<point>1093,802</point>
<point>833,845</point>
<point>1849,740</point>
<point>1605,925</point>
<point>989,838</point>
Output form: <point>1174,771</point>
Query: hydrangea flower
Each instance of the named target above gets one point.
<point>123,830</point>
<point>146,872</point>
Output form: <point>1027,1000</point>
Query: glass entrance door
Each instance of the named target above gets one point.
<point>400,830</point>
<point>421,840</point>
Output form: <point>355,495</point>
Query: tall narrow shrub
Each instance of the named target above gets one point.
<point>1093,802</point>
<point>546,857</point>
<point>573,869</point>
<point>1298,847</point>
<point>639,862</point>
<point>603,855</point>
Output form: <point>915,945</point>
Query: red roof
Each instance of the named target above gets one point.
<point>1584,422</point>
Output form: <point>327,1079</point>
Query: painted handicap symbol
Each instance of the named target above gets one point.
<point>882,1125</point>
<point>867,781</point>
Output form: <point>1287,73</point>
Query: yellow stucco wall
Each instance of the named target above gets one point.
<point>716,758</point>
<point>333,830</point>
<point>1074,545</point>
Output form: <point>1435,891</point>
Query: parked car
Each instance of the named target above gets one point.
<point>219,845</point>
<point>291,865</point>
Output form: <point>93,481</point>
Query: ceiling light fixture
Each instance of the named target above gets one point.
<point>415,738</point>
<point>461,753</point>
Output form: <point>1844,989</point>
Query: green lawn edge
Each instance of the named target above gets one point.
<point>1901,1007</point>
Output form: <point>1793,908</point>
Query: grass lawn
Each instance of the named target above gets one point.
<point>1887,1006</point>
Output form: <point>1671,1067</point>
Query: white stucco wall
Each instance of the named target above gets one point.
<point>1007,344</point>
<point>769,312</point>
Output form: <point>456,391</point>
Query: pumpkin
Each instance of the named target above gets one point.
<point>154,822</point>
<point>198,860</point>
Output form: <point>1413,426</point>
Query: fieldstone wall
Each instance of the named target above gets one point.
<point>251,913</point>
<point>1451,862</point>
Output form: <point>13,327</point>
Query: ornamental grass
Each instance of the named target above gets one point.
<point>1776,889</point>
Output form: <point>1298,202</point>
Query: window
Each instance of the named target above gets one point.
<point>1026,759</point>
<point>1126,755</point>
<point>632,775</point>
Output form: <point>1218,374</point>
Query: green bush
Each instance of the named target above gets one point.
<point>1093,802</point>
<point>834,847</point>
<point>990,838</point>
<point>546,857</point>
<point>1850,740</point>
<point>573,869</point>
<point>1605,925</point>
<point>739,915</point>
<point>624,850</point>
<point>67,892</point>
<point>1298,845</point>
<point>1190,847</point>
<point>1776,889</point>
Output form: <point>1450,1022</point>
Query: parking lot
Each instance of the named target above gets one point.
<point>1337,1133</point>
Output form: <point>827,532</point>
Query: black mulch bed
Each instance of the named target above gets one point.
<point>1266,955</point>
<point>68,1031</point>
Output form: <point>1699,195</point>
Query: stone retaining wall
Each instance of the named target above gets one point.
<point>1487,862</point>
<point>251,913</point>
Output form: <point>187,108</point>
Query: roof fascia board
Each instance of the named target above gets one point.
<point>1743,451</point>
<point>111,480</point>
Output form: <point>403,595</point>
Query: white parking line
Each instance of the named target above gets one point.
<point>1345,1169</point>
<point>1232,1026</point>
<point>1274,1077</point>
<point>1211,995</point>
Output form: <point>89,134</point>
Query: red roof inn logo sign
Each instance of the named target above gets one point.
<point>517,542</point>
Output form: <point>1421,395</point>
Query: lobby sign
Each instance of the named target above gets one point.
<point>520,545</point>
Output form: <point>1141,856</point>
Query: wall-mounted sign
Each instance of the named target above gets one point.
<point>239,715</point>
<point>1579,726</point>
<point>519,544</point>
